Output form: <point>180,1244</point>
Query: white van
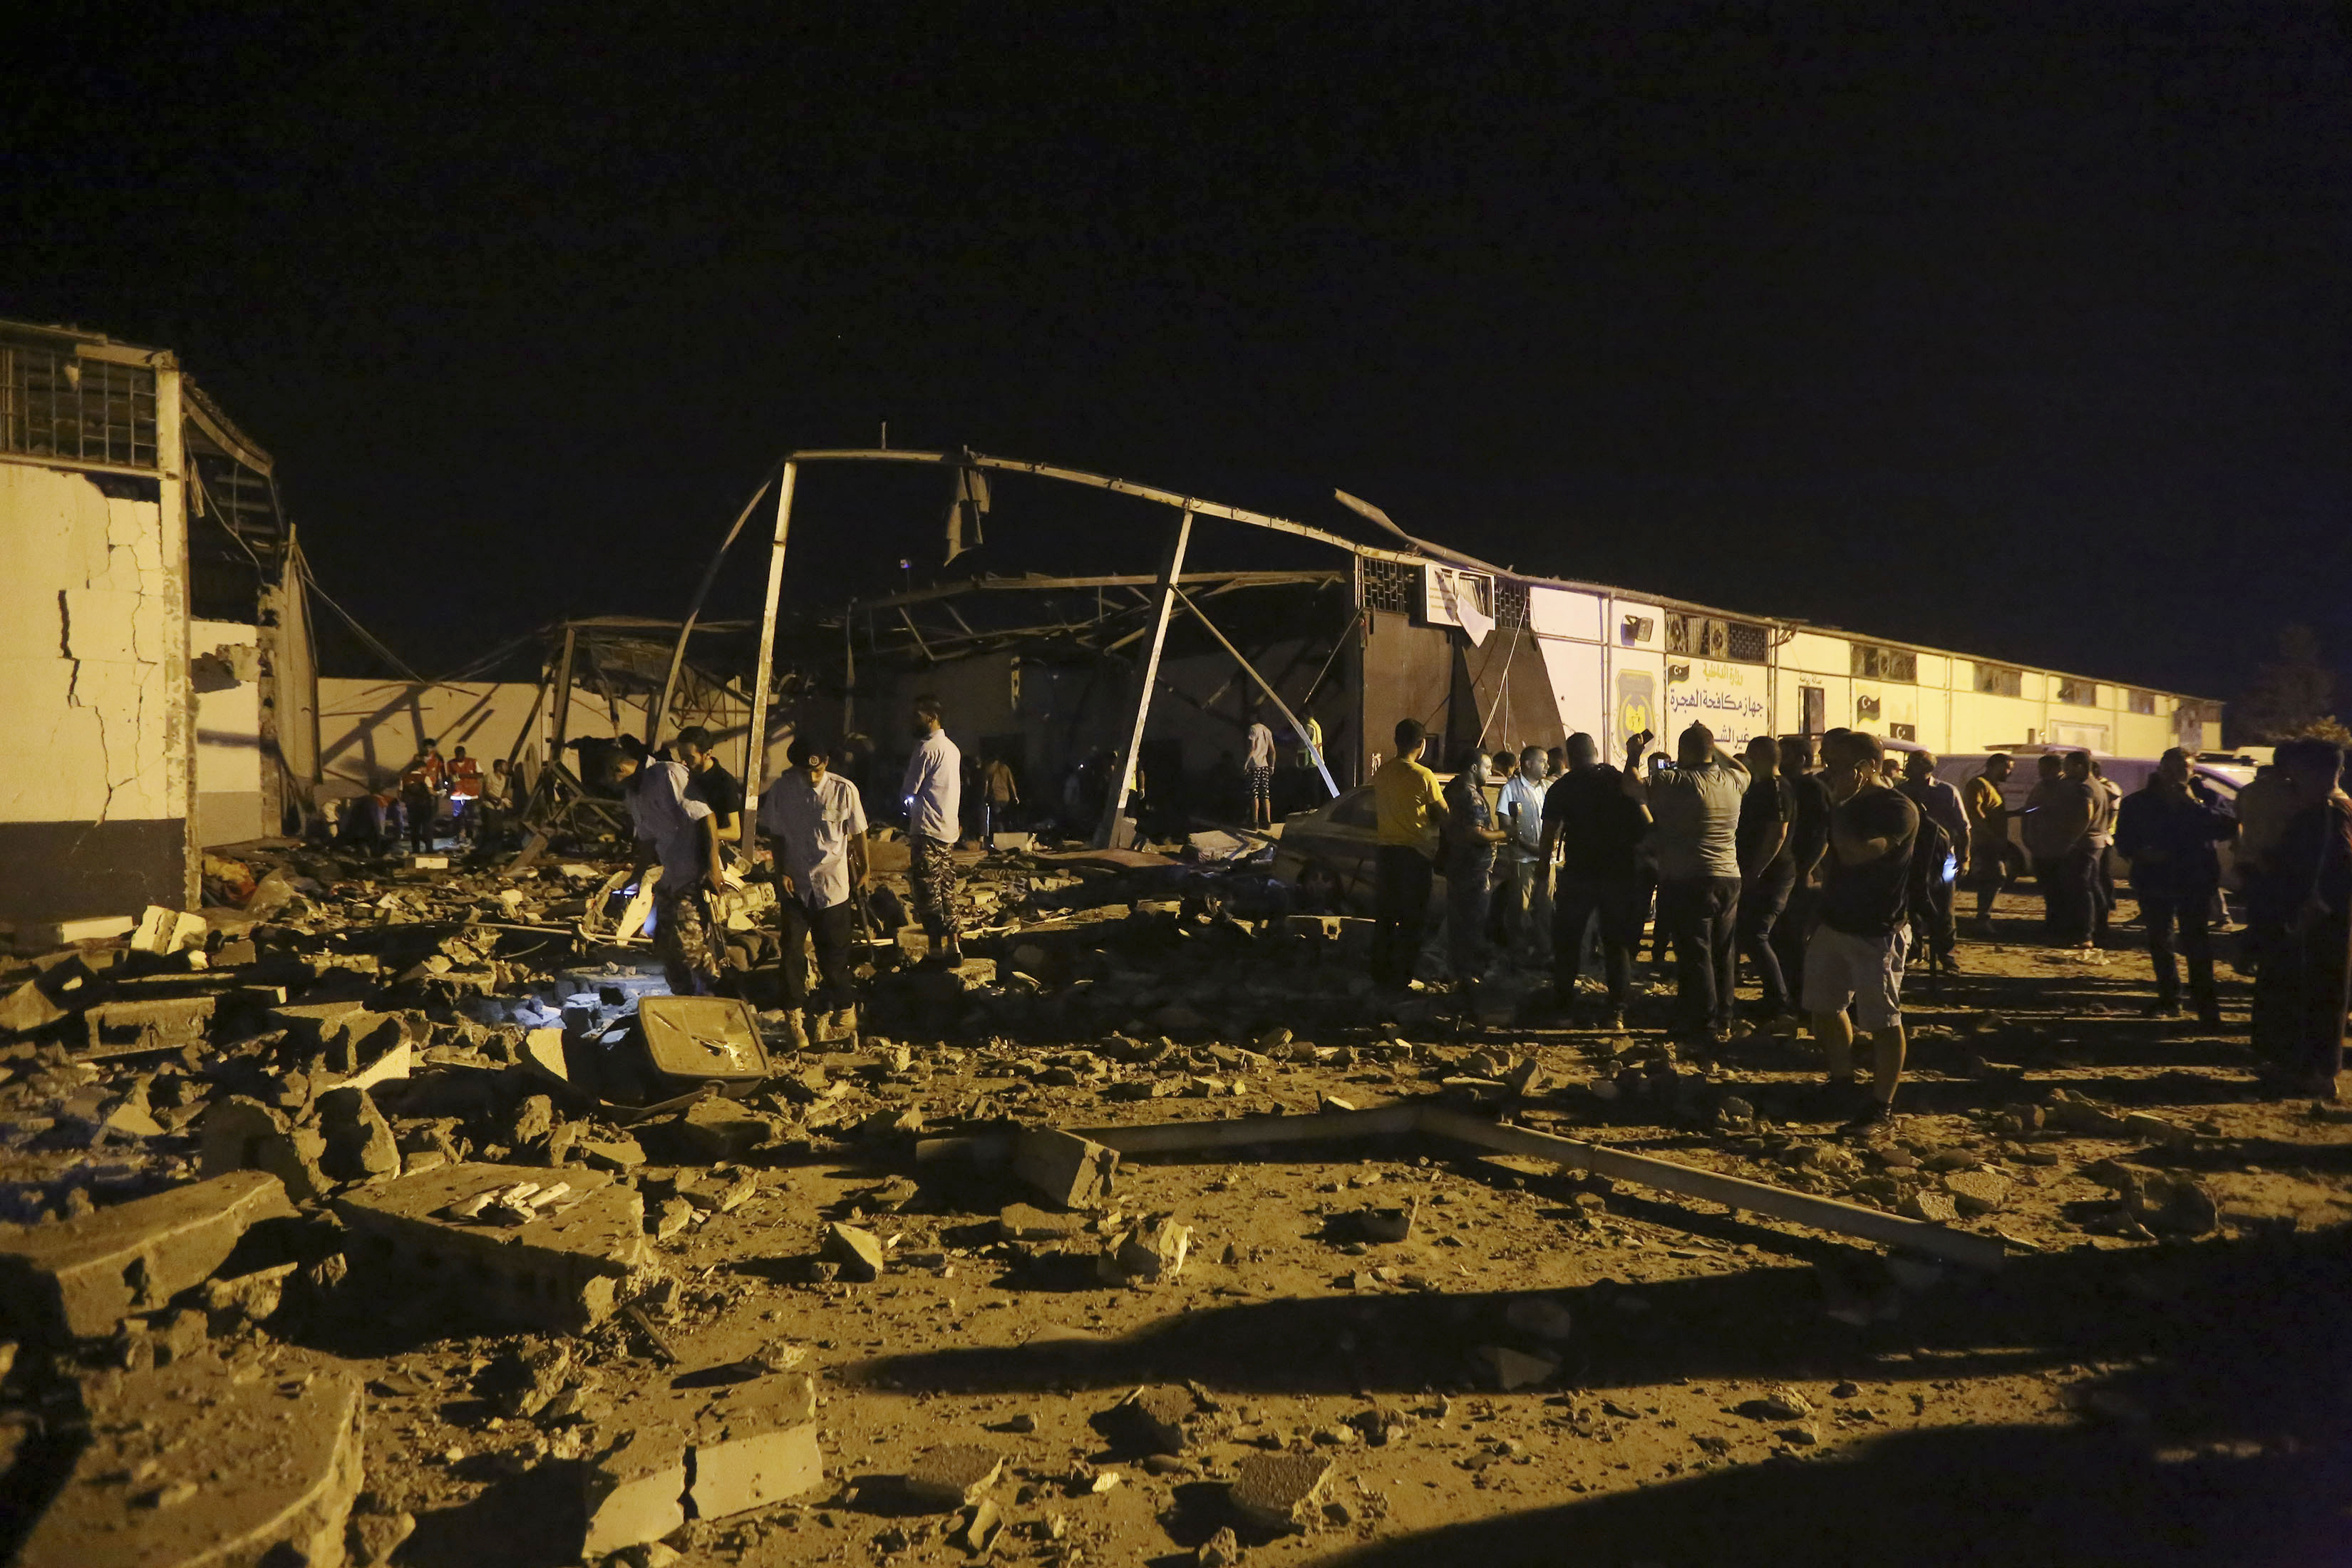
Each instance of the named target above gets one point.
<point>2224,774</point>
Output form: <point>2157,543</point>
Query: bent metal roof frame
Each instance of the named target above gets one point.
<point>1423,553</point>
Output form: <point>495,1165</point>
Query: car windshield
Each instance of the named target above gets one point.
<point>2227,777</point>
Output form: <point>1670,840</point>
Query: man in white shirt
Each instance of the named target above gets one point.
<point>816,825</point>
<point>1258,769</point>
<point>1526,892</point>
<point>681,834</point>
<point>932,793</point>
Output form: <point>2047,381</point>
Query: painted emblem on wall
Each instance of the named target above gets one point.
<point>1637,703</point>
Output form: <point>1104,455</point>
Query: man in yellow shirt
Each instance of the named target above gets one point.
<point>1410,811</point>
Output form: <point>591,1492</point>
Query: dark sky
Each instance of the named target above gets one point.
<point>2020,328</point>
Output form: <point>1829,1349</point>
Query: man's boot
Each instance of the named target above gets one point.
<point>796,1032</point>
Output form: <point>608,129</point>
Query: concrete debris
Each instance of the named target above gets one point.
<point>81,1277</point>
<point>1501,1367</point>
<point>709,1452</point>
<point>1066,1168</point>
<point>197,1462</point>
<point>1151,1420</point>
<point>360,1143</point>
<point>1026,1222</point>
<point>1274,1491</point>
<point>439,1233</point>
<point>951,1478</point>
<point>859,1253</point>
<point>1147,1254</point>
<point>240,1133</point>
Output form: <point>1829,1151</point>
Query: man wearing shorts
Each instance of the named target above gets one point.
<point>1856,954</point>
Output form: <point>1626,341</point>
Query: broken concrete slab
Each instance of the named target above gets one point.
<point>360,1143</point>
<point>560,1268</point>
<point>1068,1170</point>
<point>1146,1254</point>
<point>163,930</point>
<point>200,1464</point>
<point>1505,1369</point>
<point>1271,1490</point>
<point>81,1277</point>
<point>1027,1222</point>
<point>1151,1420</point>
<point>859,1251</point>
<point>164,1024</point>
<point>952,1477</point>
<point>718,1451</point>
<point>240,1133</point>
<point>27,1007</point>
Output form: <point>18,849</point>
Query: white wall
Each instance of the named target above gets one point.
<point>91,628</point>
<point>229,760</point>
<point>369,730</point>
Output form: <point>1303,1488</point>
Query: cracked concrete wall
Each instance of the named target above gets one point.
<point>94,785</point>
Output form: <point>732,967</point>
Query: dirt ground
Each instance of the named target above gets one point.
<point>1728,1388</point>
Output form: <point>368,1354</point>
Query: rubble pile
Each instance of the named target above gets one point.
<point>336,1211</point>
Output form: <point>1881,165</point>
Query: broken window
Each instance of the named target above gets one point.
<point>2078,693</point>
<point>2143,702</point>
<point>54,403</point>
<point>1873,662</point>
<point>1999,680</point>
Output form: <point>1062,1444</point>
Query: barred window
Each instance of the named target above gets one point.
<point>1711,637</point>
<point>54,403</point>
<point>1511,603</point>
<point>1999,680</point>
<point>1873,662</point>
<point>2144,702</point>
<point>1388,584</point>
<point>2078,693</point>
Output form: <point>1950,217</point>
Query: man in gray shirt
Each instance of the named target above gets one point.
<point>1695,843</point>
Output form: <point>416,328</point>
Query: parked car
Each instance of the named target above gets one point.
<point>2224,777</point>
<point>1341,837</point>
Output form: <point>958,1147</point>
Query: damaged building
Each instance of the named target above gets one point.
<point>156,668</point>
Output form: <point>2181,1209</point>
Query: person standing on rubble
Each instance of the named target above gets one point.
<point>1856,954</point>
<point>1409,810</point>
<point>2059,813</point>
<point>1809,844</point>
<point>1988,838</point>
<point>709,781</point>
<point>1525,890</point>
<point>2102,840</point>
<point>680,834</point>
<point>1940,804</point>
<point>1694,807</point>
<point>815,825</point>
<point>1597,832</point>
<point>2304,895</point>
<point>465,788</point>
<point>2168,831</point>
<point>1768,873</point>
<point>932,793</point>
<point>1470,840</point>
<point>1257,771</point>
<point>999,792</point>
<point>419,801</point>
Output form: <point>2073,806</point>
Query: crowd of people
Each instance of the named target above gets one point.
<point>1828,873</point>
<point>812,831</point>
<point>432,794</point>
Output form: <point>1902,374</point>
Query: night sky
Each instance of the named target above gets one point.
<point>2020,329</point>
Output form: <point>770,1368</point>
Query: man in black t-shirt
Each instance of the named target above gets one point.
<point>1809,840</point>
<point>1768,812</point>
<point>1856,954</point>
<point>1596,828</point>
<point>710,783</point>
